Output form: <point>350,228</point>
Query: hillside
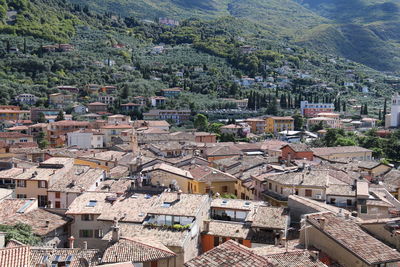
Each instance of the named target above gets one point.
<point>279,16</point>
<point>362,30</point>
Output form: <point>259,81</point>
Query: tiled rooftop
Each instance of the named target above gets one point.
<point>38,255</point>
<point>77,180</point>
<point>90,203</point>
<point>166,237</point>
<point>236,204</point>
<point>204,173</point>
<point>14,256</point>
<point>188,205</point>
<point>129,209</point>
<point>136,250</point>
<point>294,259</point>
<point>170,169</point>
<point>229,229</point>
<point>270,217</point>
<point>13,211</point>
<point>229,254</point>
<point>326,151</point>
<point>350,236</point>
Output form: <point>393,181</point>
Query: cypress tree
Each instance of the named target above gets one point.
<point>384,108</point>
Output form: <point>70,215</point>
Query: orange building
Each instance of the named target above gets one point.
<point>297,151</point>
<point>203,137</point>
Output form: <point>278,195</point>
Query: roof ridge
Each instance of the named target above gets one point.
<point>131,239</point>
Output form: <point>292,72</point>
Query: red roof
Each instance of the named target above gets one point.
<point>15,256</point>
<point>97,104</point>
<point>13,135</point>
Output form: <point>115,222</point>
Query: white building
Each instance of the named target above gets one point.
<point>80,109</point>
<point>395,111</point>
<point>28,99</point>
<point>86,139</point>
<point>106,99</point>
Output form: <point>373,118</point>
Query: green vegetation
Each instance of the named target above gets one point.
<point>387,148</point>
<point>366,31</point>
<point>20,232</point>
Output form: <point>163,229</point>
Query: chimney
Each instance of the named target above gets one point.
<point>71,241</point>
<point>206,226</point>
<point>115,231</point>
<point>322,223</point>
<point>178,195</point>
<point>314,255</point>
<point>85,245</point>
<point>2,239</point>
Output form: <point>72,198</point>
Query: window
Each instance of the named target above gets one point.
<point>308,193</point>
<point>216,241</point>
<point>42,201</point>
<point>58,204</point>
<point>296,192</point>
<point>224,189</point>
<point>21,183</point>
<point>269,186</point>
<point>87,217</point>
<point>86,233</point>
<point>98,233</point>
<point>92,203</point>
<point>364,209</point>
<point>42,184</point>
<point>58,194</point>
<point>349,202</point>
<point>21,196</point>
<point>333,200</point>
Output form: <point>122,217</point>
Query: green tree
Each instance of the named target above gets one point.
<point>20,232</point>
<point>41,118</point>
<point>201,122</point>
<point>60,116</point>
<point>215,127</point>
<point>42,141</point>
<point>298,121</point>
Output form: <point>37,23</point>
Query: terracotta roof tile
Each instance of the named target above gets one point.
<point>14,257</point>
<point>229,254</point>
<point>350,236</point>
<point>136,250</point>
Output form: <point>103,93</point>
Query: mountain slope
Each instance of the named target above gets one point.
<point>374,42</point>
<point>277,15</point>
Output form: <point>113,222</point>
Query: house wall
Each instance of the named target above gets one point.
<point>378,231</point>
<point>65,199</point>
<point>31,190</point>
<point>352,155</point>
<point>373,212</point>
<point>92,243</point>
<point>290,190</point>
<point>207,242</point>
<point>81,140</point>
<point>206,139</point>
<point>166,178</point>
<point>314,237</point>
<point>309,155</point>
<point>381,169</point>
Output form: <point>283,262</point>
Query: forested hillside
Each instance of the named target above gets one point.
<point>365,31</point>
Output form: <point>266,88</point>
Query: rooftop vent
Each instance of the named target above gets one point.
<point>224,202</point>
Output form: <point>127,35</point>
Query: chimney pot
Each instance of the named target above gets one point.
<point>85,245</point>
<point>71,241</point>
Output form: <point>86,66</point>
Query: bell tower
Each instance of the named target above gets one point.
<point>395,111</point>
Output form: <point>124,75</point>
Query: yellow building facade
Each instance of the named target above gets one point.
<point>279,124</point>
